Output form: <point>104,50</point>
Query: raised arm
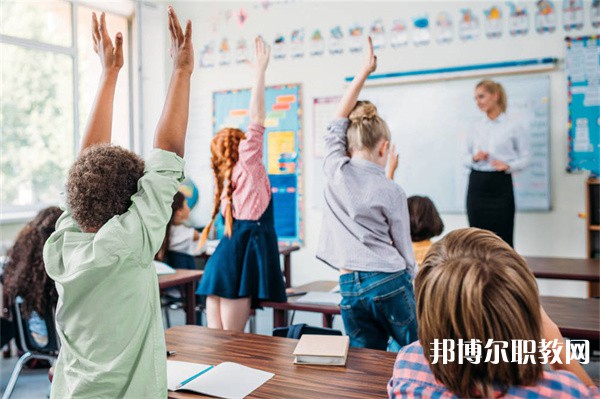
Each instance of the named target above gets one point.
<point>348,102</point>
<point>99,124</point>
<point>257,96</point>
<point>172,126</point>
<point>393,162</point>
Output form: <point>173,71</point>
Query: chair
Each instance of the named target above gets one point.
<point>28,343</point>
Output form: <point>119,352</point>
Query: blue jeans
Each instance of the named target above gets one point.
<point>378,305</point>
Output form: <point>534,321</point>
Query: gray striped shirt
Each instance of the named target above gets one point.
<point>366,225</point>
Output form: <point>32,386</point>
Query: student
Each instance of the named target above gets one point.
<point>365,231</point>
<point>108,314</point>
<point>474,286</point>
<point>245,266</point>
<point>425,223</point>
<point>180,241</point>
<point>24,273</point>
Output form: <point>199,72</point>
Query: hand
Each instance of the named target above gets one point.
<point>111,57</point>
<point>481,156</point>
<point>182,50</point>
<point>500,166</point>
<point>261,55</point>
<point>371,62</point>
<point>393,161</point>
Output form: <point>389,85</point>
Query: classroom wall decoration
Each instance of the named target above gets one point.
<point>468,27</point>
<point>545,17</point>
<point>317,43</point>
<point>297,43</point>
<point>356,38</point>
<point>595,13</point>
<point>572,14</point>
<point>518,19</point>
<point>421,32</point>
<point>399,34</point>
<point>279,48</point>
<point>336,40</point>
<point>378,34</point>
<point>444,32</point>
<point>583,75</point>
<point>493,22</point>
<point>282,148</point>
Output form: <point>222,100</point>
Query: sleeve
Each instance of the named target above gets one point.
<point>468,149</point>
<point>251,148</point>
<point>521,146</point>
<point>336,146</point>
<point>399,224</point>
<point>142,227</point>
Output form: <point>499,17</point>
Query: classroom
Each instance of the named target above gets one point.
<point>294,204</point>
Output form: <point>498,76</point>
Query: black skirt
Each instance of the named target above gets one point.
<point>491,203</point>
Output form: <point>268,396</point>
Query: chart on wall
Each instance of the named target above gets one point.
<point>583,73</point>
<point>282,148</point>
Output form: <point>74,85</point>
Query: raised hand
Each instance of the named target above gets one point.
<point>262,54</point>
<point>111,57</point>
<point>371,61</point>
<point>393,162</point>
<point>182,50</point>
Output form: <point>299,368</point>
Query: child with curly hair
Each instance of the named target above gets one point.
<point>245,266</point>
<point>108,314</point>
<point>365,233</point>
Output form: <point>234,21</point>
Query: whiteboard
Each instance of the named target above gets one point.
<point>429,124</point>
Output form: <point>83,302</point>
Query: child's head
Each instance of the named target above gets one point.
<point>24,273</point>
<point>425,221</point>
<point>368,134</point>
<point>224,149</point>
<point>181,209</point>
<point>100,184</point>
<point>473,285</point>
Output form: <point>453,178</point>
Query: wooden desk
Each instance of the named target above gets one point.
<point>366,374</point>
<point>187,278</point>
<point>565,268</point>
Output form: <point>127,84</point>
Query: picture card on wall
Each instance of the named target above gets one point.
<point>468,27</point>
<point>421,32</point>
<point>279,47</point>
<point>297,43</point>
<point>241,51</point>
<point>444,32</point>
<point>355,38</point>
<point>399,33</point>
<point>378,34</point>
<point>518,19</point>
<point>317,43</point>
<point>208,56</point>
<point>595,13</point>
<point>572,14</point>
<point>545,16</point>
<point>336,40</point>
<point>492,23</point>
<point>224,52</point>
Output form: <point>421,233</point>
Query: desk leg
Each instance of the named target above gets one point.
<point>279,318</point>
<point>327,320</point>
<point>190,303</point>
<point>287,270</point>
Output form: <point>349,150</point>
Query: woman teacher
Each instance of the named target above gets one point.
<point>496,148</point>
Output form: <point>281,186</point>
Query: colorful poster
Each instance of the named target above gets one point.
<point>492,23</point>
<point>336,38</point>
<point>421,32</point>
<point>208,56</point>
<point>399,34</point>
<point>583,76</point>
<point>378,34</point>
<point>297,43</point>
<point>279,47</point>
<point>545,17</point>
<point>443,28</point>
<point>355,38</point>
<point>317,43</point>
<point>242,16</point>
<point>241,51</point>
<point>468,27</point>
<point>572,14</point>
<point>518,19</point>
<point>224,52</point>
<point>595,13</point>
<point>282,149</point>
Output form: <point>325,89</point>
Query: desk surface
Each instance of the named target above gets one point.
<point>365,376</point>
<point>181,276</point>
<point>564,268</point>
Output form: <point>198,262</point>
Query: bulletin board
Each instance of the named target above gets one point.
<point>583,74</point>
<point>282,149</point>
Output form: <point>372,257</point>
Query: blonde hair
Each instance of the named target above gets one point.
<point>224,149</point>
<point>495,88</point>
<point>366,128</point>
<point>472,285</point>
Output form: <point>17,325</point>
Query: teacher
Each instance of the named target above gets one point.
<point>496,147</point>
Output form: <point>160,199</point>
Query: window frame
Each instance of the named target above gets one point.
<point>18,214</point>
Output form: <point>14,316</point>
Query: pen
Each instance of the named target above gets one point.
<point>169,353</point>
<point>194,376</point>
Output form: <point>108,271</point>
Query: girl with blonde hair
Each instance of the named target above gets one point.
<point>245,266</point>
<point>365,232</point>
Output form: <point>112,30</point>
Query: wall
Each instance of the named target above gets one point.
<point>555,233</point>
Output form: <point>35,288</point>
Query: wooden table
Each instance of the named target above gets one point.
<point>187,278</point>
<point>365,375</point>
<point>565,268</point>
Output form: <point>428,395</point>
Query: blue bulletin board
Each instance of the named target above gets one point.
<point>583,74</point>
<point>282,149</point>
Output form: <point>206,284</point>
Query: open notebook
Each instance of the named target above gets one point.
<point>226,380</point>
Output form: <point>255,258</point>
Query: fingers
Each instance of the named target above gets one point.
<point>188,32</point>
<point>119,48</point>
<point>103,31</point>
<point>171,28</point>
<point>176,26</point>
<point>95,33</point>
<point>370,45</point>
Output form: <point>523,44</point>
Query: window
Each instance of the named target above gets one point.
<point>42,113</point>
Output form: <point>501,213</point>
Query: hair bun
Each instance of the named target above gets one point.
<point>363,110</point>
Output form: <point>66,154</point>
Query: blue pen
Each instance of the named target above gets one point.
<point>194,376</point>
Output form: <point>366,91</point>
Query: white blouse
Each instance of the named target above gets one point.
<point>504,139</point>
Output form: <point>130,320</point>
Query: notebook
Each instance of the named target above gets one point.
<point>226,380</point>
<point>322,349</point>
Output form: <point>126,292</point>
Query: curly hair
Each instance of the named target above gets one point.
<point>100,184</point>
<point>24,273</point>
<point>225,154</point>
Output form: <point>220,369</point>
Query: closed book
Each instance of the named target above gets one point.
<point>322,349</point>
